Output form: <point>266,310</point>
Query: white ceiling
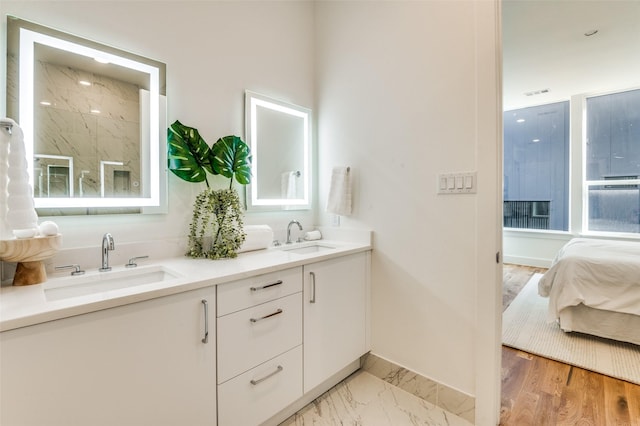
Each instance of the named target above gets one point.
<point>544,47</point>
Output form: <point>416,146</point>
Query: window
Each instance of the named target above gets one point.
<point>536,167</point>
<point>612,167</point>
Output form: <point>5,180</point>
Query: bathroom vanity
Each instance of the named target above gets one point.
<point>243,341</point>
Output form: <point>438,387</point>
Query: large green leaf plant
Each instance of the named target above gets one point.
<point>216,229</point>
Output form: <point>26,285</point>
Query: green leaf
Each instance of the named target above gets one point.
<point>231,157</point>
<point>188,155</point>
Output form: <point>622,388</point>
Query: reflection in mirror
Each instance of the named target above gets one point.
<point>93,119</point>
<point>52,176</point>
<point>280,138</point>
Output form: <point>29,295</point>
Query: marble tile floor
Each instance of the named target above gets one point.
<point>365,400</point>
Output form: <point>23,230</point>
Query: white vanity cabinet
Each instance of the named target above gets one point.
<point>259,331</point>
<point>138,364</point>
<point>275,342</point>
<point>335,311</point>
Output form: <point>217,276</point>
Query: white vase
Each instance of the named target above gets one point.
<point>5,137</point>
<point>21,215</point>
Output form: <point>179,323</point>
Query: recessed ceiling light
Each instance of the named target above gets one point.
<point>84,82</point>
<point>520,120</point>
<point>590,33</point>
<point>45,103</point>
<point>536,92</point>
<point>95,111</point>
<point>535,140</point>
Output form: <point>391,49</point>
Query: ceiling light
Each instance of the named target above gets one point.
<point>95,111</point>
<point>84,83</point>
<point>535,140</point>
<point>536,92</point>
<point>520,120</point>
<point>45,103</point>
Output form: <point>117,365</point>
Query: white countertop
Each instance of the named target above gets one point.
<point>28,305</point>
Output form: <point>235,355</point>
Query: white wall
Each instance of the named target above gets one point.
<point>213,51</point>
<point>400,98</point>
<point>533,248</point>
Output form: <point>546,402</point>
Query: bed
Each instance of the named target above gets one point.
<point>593,287</point>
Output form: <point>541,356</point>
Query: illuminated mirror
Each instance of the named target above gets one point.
<point>94,120</point>
<point>279,134</point>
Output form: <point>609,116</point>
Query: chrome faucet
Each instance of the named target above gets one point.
<point>289,230</point>
<point>107,244</point>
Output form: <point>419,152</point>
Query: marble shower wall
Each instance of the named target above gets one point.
<point>91,123</point>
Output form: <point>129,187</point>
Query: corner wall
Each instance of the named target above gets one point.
<point>408,90</point>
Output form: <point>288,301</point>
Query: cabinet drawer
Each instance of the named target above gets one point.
<point>242,294</point>
<point>252,336</point>
<point>260,393</point>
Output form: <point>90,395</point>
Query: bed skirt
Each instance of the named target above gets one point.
<point>607,324</point>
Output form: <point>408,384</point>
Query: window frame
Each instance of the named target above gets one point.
<point>587,184</point>
<point>569,170</point>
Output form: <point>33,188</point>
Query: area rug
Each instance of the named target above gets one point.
<point>525,327</point>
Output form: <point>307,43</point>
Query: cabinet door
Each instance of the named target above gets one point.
<point>139,364</point>
<point>334,316</point>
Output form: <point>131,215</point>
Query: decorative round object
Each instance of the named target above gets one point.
<point>48,228</point>
<point>25,233</point>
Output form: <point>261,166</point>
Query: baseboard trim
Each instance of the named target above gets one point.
<point>528,261</point>
<point>440,395</point>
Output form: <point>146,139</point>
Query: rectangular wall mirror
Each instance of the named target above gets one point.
<point>94,120</point>
<point>279,134</point>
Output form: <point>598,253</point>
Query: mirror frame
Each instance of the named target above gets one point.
<point>153,172</point>
<point>254,100</point>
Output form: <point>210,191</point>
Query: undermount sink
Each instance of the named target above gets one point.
<point>106,281</point>
<point>308,248</point>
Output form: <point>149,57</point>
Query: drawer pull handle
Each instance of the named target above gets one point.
<point>313,287</point>
<point>266,286</point>
<point>205,339</point>
<point>255,382</point>
<point>278,312</point>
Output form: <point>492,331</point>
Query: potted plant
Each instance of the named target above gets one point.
<point>216,230</point>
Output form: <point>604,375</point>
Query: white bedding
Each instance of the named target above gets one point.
<point>599,274</point>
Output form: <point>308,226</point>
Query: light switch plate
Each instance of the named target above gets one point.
<point>457,183</point>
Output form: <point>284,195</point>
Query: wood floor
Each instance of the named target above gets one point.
<point>537,391</point>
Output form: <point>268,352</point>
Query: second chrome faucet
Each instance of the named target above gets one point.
<point>293,222</point>
<point>107,245</point>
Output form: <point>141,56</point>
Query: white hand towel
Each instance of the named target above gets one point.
<point>313,235</point>
<point>288,184</point>
<point>339,201</point>
<point>257,237</point>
